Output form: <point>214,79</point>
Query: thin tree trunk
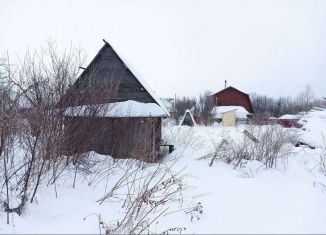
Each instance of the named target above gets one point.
<point>38,181</point>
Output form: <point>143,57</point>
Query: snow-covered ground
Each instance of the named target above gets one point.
<point>288,199</point>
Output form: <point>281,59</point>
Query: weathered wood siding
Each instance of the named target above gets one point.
<point>137,138</point>
<point>107,79</point>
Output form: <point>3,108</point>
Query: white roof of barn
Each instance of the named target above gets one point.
<point>128,108</point>
<point>240,111</point>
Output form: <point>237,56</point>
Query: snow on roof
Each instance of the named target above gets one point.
<point>142,81</point>
<point>128,108</point>
<point>289,116</point>
<point>240,111</point>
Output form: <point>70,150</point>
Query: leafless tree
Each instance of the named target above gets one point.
<point>39,82</point>
<point>305,98</point>
<point>9,99</point>
<point>205,106</point>
<point>270,106</point>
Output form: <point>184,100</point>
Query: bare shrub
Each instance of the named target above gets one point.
<point>205,105</point>
<point>195,211</point>
<point>274,143</point>
<point>175,230</point>
<point>144,191</point>
<point>183,137</point>
<point>220,152</point>
<point>34,127</point>
<point>322,157</point>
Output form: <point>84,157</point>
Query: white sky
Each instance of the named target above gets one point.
<point>271,47</point>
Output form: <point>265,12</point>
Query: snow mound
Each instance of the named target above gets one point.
<point>314,124</point>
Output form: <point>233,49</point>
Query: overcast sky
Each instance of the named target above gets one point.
<point>186,46</point>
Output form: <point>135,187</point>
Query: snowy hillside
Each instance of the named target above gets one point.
<point>289,198</point>
<point>315,125</point>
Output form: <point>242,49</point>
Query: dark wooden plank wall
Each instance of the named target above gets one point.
<point>137,138</point>
<point>107,80</point>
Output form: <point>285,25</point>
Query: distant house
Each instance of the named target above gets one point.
<point>231,96</point>
<point>288,120</point>
<point>110,110</point>
<point>234,104</point>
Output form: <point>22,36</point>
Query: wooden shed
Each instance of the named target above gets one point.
<point>110,109</point>
<point>231,96</point>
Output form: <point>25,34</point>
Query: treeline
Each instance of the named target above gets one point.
<point>276,107</point>
<point>263,105</point>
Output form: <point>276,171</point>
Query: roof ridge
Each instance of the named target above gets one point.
<point>229,88</point>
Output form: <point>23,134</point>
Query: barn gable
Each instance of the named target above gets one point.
<point>109,79</point>
<point>231,96</point>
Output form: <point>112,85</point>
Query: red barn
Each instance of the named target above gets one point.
<point>232,96</point>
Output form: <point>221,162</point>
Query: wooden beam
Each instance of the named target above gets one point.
<point>250,136</point>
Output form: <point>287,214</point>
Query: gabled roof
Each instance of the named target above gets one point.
<point>227,88</point>
<point>187,119</point>
<point>113,67</point>
<point>247,105</point>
